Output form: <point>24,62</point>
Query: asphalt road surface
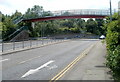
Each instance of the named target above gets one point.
<point>42,63</point>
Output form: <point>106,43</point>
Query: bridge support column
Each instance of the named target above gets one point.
<point>33,24</point>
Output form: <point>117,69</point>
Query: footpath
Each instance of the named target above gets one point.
<point>91,67</point>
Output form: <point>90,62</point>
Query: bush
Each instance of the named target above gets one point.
<point>113,47</point>
<point>75,30</point>
<point>113,62</point>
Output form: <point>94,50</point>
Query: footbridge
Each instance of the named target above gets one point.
<point>62,14</point>
<point>78,13</point>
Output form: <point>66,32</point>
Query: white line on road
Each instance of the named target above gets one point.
<point>4,60</point>
<point>29,59</point>
<point>37,69</point>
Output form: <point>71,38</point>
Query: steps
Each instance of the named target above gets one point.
<point>19,34</point>
<point>18,20</point>
<point>22,31</point>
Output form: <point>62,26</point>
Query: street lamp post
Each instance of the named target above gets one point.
<point>110,11</point>
<point>119,13</point>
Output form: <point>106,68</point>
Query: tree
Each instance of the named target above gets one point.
<point>8,26</point>
<point>91,26</point>
<point>1,30</point>
<point>35,12</point>
<point>16,15</point>
<point>100,28</point>
<point>0,16</point>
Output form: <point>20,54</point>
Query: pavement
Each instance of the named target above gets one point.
<point>81,59</point>
<point>92,67</point>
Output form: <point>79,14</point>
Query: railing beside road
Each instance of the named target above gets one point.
<point>25,44</point>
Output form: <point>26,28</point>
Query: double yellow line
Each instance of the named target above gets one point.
<point>60,74</point>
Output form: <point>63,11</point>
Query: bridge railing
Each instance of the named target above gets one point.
<point>19,19</point>
<point>81,12</point>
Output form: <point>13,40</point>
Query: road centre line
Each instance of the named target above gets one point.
<point>60,74</point>
<point>4,60</point>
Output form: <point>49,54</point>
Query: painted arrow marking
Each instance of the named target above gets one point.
<point>37,69</point>
<point>4,60</point>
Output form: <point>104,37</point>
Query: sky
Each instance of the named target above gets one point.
<point>10,6</point>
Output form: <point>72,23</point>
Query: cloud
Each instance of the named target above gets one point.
<point>6,10</point>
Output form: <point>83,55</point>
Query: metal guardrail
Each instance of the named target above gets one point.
<point>7,46</point>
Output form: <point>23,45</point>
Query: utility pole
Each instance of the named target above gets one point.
<point>110,11</point>
<point>119,13</point>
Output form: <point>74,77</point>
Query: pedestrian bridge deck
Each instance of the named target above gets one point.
<point>78,13</point>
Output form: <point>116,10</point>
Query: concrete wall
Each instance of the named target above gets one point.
<point>69,36</point>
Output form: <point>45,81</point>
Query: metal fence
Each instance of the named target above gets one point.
<point>17,45</point>
<point>82,12</point>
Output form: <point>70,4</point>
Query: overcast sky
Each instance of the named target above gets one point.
<point>9,6</point>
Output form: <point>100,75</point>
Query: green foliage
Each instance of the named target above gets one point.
<point>35,12</point>
<point>113,46</point>
<point>16,15</point>
<point>113,62</point>
<point>1,26</point>
<point>91,26</point>
<point>8,27</point>
<point>0,16</point>
<point>1,30</point>
<point>75,30</point>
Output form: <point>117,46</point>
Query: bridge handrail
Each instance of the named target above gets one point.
<point>92,13</point>
<point>16,21</point>
<point>82,12</point>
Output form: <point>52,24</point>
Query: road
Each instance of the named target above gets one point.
<point>42,63</point>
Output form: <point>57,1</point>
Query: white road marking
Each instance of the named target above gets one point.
<point>53,67</point>
<point>4,60</point>
<point>37,69</point>
<point>29,59</point>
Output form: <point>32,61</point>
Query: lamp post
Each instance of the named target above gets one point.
<point>119,13</point>
<point>110,11</point>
